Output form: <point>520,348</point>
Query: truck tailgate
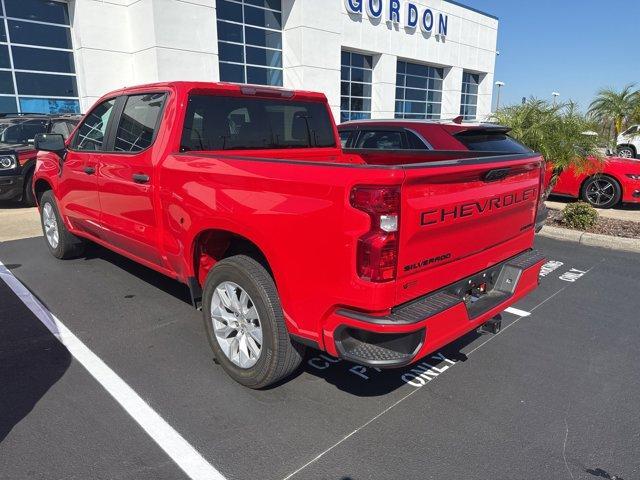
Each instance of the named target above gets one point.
<point>456,211</point>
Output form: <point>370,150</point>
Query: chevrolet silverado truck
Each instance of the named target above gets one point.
<point>17,155</point>
<point>244,194</point>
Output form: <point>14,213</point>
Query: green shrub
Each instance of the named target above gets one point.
<point>579,215</point>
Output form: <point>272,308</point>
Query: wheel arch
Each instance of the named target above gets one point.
<point>39,187</point>
<point>211,245</point>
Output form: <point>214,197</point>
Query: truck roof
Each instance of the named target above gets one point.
<point>226,87</point>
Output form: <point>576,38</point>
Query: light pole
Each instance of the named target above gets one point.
<point>499,85</point>
<point>555,96</point>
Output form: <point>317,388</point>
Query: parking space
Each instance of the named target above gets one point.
<point>554,395</point>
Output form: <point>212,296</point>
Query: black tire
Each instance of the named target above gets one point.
<point>279,355</point>
<point>608,187</point>
<point>28,197</point>
<point>626,151</point>
<point>68,246</point>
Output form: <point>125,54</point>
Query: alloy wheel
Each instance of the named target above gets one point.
<point>236,324</point>
<point>50,225</point>
<point>600,192</point>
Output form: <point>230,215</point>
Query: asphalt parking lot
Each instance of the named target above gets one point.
<point>554,395</point>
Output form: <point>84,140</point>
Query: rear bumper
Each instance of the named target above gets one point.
<point>11,187</point>
<point>424,325</point>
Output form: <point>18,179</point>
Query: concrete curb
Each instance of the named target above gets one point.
<point>591,239</point>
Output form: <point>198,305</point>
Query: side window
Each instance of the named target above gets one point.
<point>380,140</point>
<point>61,128</point>
<point>416,143</point>
<point>90,135</point>
<point>344,138</point>
<point>137,126</point>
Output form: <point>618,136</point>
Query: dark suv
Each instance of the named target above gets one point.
<point>17,154</point>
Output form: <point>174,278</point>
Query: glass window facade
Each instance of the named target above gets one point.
<point>418,91</point>
<point>250,41</point>
<point>355,87</point>
<point>37,68</point>
<point>469,99</point>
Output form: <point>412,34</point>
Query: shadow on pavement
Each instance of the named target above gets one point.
<point>31,360</point>
<point>11,205</point>
<point>370,382</point>
<point>147,275</point>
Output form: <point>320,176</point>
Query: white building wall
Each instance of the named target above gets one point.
<point>127,42</point>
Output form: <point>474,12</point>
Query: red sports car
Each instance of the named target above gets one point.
<point>604,186</point>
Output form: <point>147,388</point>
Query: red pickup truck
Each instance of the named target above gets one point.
<point>244,194</point>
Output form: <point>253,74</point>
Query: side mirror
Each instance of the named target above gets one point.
<point>50,142</point>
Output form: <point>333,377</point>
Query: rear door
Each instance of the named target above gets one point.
<point>466,215</point>
<point>126,181</point>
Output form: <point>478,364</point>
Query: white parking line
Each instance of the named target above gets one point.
<point>518,312</point>
<point>167,438</point>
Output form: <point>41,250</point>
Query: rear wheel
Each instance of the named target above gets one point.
<point>245,323</point>
<point>626,152</point>
<point>62,243</point>
<point>601,191</point>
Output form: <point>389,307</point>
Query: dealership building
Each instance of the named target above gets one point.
<point>372,58</point>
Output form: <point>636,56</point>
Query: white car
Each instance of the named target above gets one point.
<point>629,142</point>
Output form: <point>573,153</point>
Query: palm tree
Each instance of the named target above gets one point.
<point>615,108</point>
<point>555,131</point>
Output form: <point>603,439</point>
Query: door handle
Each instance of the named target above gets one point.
<point>89,170</point>
<point>140,178</point>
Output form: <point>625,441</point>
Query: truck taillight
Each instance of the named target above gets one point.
<point>377,256</point>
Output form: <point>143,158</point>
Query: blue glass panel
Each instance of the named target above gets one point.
<point>8,105</point>
<point>46,85</point>
<point>263,38</point>
<point>26,58</point>
<point>41,10</point>
<point>264,76</point>
<point>38,34</point>
<point>273,4</point>
<point>230,52</point>
<point>261,56</point>
<point>361,89</point>
<point>262,18</point>
<point>4,57</point>
<point>6,82</point>
<point>231,73</point>
<point>229,11</point>
<point>230,32</point>
<point>49,105</point>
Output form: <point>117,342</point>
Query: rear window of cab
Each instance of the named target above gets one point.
<point>237,123</point>
<point>487,141</point>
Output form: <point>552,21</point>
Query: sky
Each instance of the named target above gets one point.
<point>573,47</point>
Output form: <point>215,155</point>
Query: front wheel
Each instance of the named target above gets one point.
<point>62,243</point>
<point>245,323</point>
<point>601,191</point>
